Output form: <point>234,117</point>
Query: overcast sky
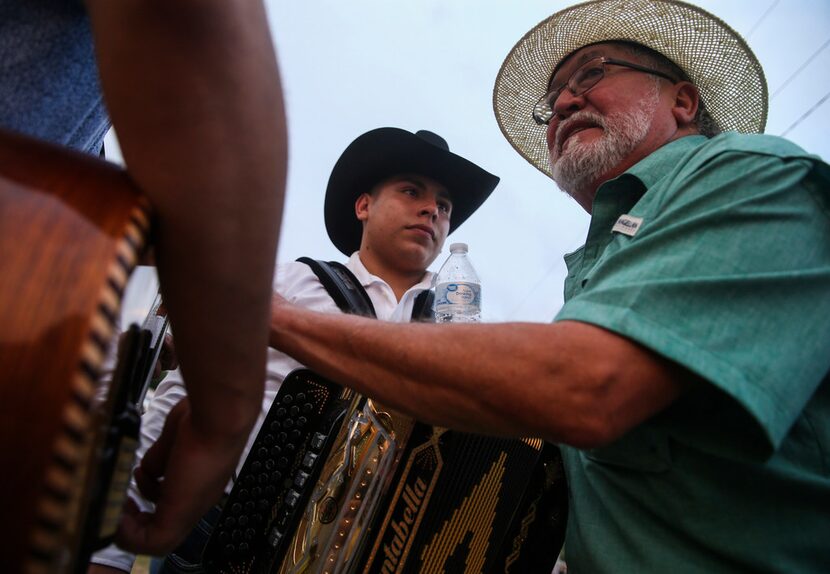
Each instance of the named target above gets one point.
<point>348,67</point>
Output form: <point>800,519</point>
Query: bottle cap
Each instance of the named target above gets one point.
<point>458,248</point>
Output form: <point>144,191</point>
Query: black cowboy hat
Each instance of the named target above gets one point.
<point>384,152</point>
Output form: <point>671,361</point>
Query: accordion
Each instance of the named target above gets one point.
<point>336,483</point>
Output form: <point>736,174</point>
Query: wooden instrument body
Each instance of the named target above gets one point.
<point>71,230</point>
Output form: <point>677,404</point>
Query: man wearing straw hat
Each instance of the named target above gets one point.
<point>686,376</point>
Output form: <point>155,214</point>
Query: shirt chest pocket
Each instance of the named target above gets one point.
<point>642,449</point>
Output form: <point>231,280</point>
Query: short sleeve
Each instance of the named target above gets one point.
<point>729,276</point>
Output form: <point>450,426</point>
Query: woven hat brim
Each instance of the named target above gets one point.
<point>716,59</point>
<point>385,152</point>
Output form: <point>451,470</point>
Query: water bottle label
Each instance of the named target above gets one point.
<point>458,293</point>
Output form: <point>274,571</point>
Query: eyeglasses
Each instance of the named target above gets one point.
<point>583,79</point>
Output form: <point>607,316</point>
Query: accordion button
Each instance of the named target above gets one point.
<point>317,441</point>
<point>274,537</point>
<point>309,460</point>
<point>300,479</point>
<point>292,497</point>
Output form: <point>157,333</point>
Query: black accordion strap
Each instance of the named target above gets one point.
<point>350,296</point>
<point>342,286</point>
<point>422,308</point>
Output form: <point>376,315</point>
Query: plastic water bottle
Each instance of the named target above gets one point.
<point>457,289</point>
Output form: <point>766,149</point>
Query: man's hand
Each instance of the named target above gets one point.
<point>184,473</point>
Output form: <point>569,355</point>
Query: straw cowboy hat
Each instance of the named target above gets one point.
<point>715,58</point>
<point>384,152</point>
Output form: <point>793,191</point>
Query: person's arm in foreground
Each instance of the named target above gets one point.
<point>193,91</point>
<point>567,382</point>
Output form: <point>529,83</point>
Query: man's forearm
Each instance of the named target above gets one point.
<point>559,381</point>
<point>193,90</point>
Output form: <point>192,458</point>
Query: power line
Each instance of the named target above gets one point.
<point>799,70</point>
<point>794,74</point>
<point>807,113</point>
<point>534,288</point>
<point>762,18</point>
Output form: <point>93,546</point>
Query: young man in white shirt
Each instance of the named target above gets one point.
<point>392,199</point>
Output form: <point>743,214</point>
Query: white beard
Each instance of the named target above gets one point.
<point>581,165</point>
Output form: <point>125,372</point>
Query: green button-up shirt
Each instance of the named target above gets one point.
<point>714,254</point>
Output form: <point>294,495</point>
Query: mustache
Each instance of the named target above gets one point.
<point>582,116</point>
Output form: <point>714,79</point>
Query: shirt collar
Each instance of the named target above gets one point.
<point>363,275</point>
<point>620,194</point>
<point>656,164</point>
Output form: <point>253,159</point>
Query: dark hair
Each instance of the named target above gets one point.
<point>704,121</point>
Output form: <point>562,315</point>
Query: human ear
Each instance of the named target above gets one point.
<point>361,206</point>
<point>686,101</point>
